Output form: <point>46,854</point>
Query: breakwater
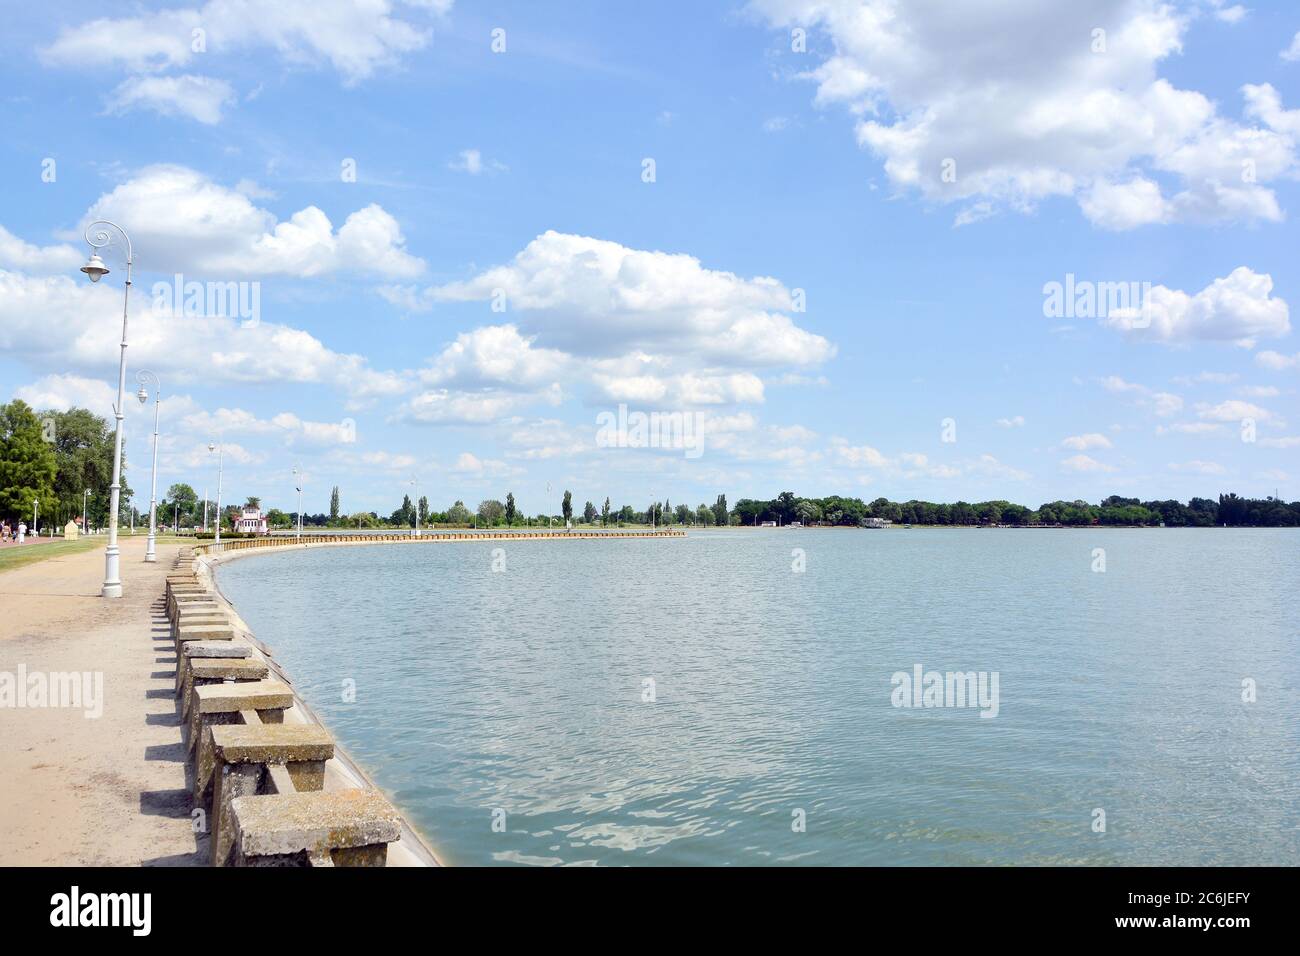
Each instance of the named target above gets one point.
<point>432,537</point>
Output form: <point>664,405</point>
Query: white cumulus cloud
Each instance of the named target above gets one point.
<point>181,221</point>
<point>1084,442</point>
<point>1009,104</point>
<point>201,98</point>
<point>1238,308</point>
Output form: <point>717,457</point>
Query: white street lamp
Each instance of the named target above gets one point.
<point>36,513</point>
<point>85,529</point>
<point>298,478</point>
<point>144,376</point>
<point>96,269</point>
<point>205,509</point>
<point>416,506</point>
<point>219,449</point>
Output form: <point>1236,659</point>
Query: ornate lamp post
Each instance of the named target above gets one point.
<point>96,269</point>
<point>218,449</point>
<point>416,506</point>
<point>85,529</point>
<point>143,377</point>
<point>298,478</point>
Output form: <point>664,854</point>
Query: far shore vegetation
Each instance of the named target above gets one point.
<point>788,509</point>
<point>64,460</point>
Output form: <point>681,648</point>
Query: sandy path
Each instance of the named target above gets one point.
<point>111,790</point>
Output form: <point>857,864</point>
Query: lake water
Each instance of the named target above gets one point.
<point>507,712</point>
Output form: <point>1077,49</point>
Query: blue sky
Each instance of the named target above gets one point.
<point>916,175</point>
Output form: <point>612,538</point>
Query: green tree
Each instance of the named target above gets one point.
<point>589,512</point>
<point>28,464</point>
<point>363,520</point>
<point>405,515</point>
<point>180,498</point>
<point>252,502</point>
<point>334,503</point>
<point>511,511</point>
<point>748,510</point>
<point>491,511</point>
<point>604,512</point>
<point>720,510</point>
<point>807,511</point>
<point>458,514</point>
<point>83,448</point>
<point>566,506</point>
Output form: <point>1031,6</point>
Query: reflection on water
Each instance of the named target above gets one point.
<point>520,697</point>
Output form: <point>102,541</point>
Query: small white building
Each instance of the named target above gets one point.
<point>251,521</point>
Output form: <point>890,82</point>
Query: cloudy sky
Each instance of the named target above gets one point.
<point>857,238</point>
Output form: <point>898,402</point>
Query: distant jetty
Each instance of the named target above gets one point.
<point>346,538</point>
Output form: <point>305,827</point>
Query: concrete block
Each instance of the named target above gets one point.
<point>342,828</point>
<point>222,703</point>
<point>201,671</point>
<point>202,632</point>
<point>207,649</point>
<point>250,759</point>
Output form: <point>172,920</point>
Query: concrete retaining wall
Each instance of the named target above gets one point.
<point>272,786</point>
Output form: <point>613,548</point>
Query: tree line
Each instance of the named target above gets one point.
<point>57,457</point>
<point>788,508</point>
<point>1116,510</point>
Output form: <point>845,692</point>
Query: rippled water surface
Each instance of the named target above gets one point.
<point>523,691</point>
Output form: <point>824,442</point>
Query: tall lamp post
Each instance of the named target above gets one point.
<point>84,527</point>
<point>218,449</point>
<point>98,236</point>
<point>144,377</point>
<point>298,481</point>
<point>36,513</point>
<point>416,506</point>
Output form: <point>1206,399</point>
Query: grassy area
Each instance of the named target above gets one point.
<point>12,556</point>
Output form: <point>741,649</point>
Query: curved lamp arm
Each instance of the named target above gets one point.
<point>102,237</point>
<point>146,377</point>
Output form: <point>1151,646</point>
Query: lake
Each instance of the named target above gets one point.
<point>732,697</point>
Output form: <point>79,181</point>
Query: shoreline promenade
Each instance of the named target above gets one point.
<point>108,790</point>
